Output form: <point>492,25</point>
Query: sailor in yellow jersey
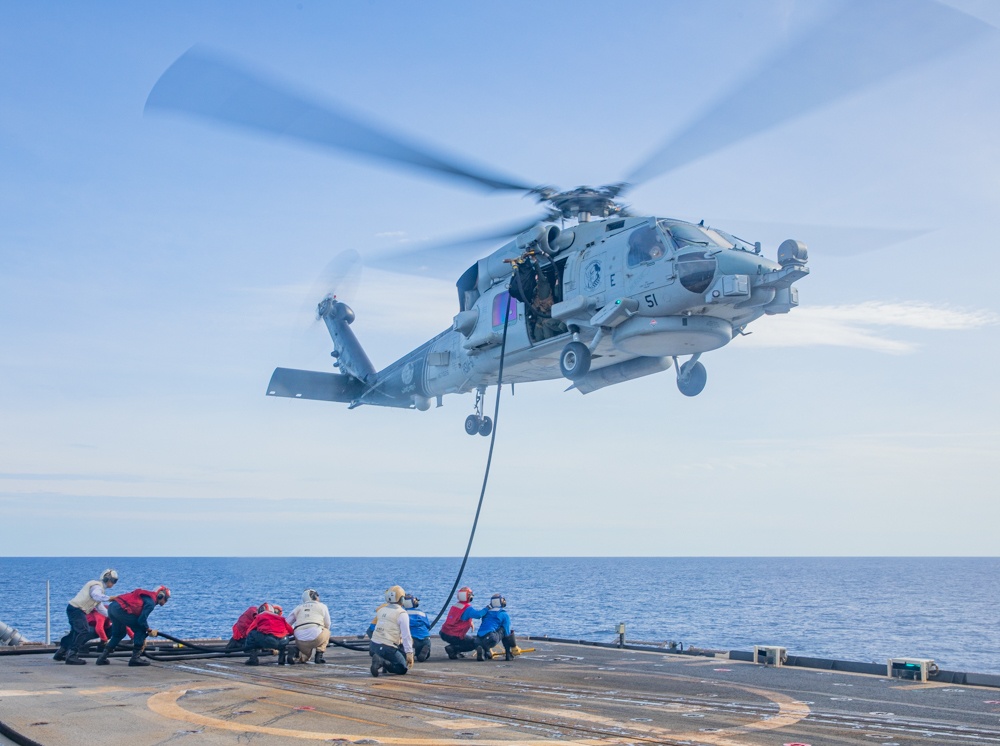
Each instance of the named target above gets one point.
<point>391,646</point>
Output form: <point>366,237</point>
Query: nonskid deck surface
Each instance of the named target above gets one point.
<point>558,693</point>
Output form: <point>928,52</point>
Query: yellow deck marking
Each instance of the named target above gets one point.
<point>165,705</point>
<point>328,714</point>
<point>27,692</point>
<point>463,723</point>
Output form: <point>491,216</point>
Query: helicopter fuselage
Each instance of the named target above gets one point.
<point>625,298</point>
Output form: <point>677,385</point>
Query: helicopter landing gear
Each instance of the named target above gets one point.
<point>691,377</point>
<point>574,362</point>
<point>477,423</point>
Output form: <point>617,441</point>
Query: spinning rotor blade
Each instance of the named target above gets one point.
<point>207,86</point>
<point>438,258</point>
<point>861,44</point>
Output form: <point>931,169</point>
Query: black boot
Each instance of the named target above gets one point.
<point>281,657</point>
<point>135,660</point>
<point>60,655</point>
<point>319,657</point>
<point>376,667</point>
<point>102,659</point>
<point>252,660</point>
<point>452,653</point>
<point>72,659</point>
<point>480,653</point>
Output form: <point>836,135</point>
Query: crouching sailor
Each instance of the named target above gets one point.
<point>458,624</point>
<point>89,599</point>
<point>311,622</point>
<point>132,610</point>
<point>495,628</point>
<point>420,627</point>
<point>268,631</point>
<point>391,646</point>
<point>241,627</point>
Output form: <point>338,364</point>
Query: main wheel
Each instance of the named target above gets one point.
<point>486,426</point>
<point>471,425</point>
<point>691,378</point>
<point>575,360</point>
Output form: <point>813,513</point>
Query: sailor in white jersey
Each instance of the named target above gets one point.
<point>92,597</point>
<point>391,646</point>
<point>311,622</point>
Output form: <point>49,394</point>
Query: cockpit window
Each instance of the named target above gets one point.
<point>499,303</point>
<point>696,271</point>
<point>645,245</point>
<point>687,234</point>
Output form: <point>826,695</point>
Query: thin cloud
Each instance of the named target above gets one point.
<point>866,326</point>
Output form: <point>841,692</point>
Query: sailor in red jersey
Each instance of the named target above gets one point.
<point>241,627</point>
<point>268,631</point>
<point>132,610</point>
<point>98,619</point>
<point>456,628</point>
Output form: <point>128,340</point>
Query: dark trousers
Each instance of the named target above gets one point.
<point>259,641</point>
<point>79,632</point>
<point>461,644</point>
<point>490,639</point>
<point>394,658</point>
<point>121,620</point>
<point>422,649</point>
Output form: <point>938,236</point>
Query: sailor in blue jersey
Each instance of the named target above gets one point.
<point>494,628</point>
<point>420,628</point>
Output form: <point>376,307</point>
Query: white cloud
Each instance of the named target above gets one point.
<point>866,326</point>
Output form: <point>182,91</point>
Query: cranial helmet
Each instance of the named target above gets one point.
<point>278,610</point>
<point>109,577</point>
<point>395,594</point>
<point>465,594</point>
<point>410,601</point>
<point>163,594</point>
<point>497,601</point>
<point>265,607</point>
<point>309,595</point>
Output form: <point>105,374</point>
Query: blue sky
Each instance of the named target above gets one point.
<point>156,270</point>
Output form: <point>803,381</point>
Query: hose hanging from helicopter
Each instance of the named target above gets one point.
<point>486,475</point>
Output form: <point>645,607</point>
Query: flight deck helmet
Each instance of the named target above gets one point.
<point>465,594</point>
<point>497,601</point>
<point>109,577</point>
<point>410,601</point>
<point>309,595</point>
<point>395,594</point>
<point>162,595</point>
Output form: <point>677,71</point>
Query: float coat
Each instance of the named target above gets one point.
<point>83,600</point>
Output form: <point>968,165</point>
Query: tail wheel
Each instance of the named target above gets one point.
<point>471,425</point>
<point>691,378</point>
<point>574,362</point>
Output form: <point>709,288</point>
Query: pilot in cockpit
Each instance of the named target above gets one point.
<point>644,245</point>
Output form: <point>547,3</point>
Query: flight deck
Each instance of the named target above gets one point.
<point>554,692</point>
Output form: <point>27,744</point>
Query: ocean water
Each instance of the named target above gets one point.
<point>862,609</point>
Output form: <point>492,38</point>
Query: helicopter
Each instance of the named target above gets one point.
<point>587,291</point>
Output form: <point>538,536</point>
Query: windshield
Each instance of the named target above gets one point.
<point>687,234</point>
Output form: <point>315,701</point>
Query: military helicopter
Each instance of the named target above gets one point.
<point>587,290</point>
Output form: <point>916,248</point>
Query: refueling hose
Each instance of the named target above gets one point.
<point>486,476</point>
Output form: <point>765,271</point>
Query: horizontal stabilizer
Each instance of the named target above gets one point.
<point>308,384</point>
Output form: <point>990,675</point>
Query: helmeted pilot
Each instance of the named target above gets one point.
<point>391,647</point>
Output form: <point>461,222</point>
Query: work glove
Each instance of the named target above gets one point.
<point>153,633</point>
<point>409,660</point>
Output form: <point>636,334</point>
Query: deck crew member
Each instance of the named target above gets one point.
<point>90,597</point>
<point>268,631</point>
<point>495,628</point>
<point>311,622</point>
<point>458,624</point>
<point>391,647</point>
<point>101,624</point>
<point>420,628</point>
<point>132,610</point>
<point>241,627</point>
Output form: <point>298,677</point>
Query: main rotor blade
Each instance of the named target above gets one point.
<point>208,86</point>
<point>862,43</point>
<point>438,258</point>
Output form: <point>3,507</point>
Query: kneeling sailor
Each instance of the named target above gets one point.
<point>391,647</point>
<point>311,622</point>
